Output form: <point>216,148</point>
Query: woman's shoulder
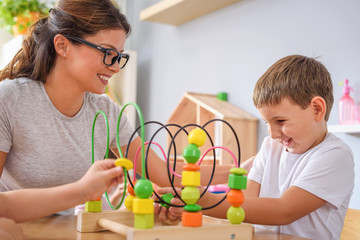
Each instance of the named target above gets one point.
<point>12,85</point>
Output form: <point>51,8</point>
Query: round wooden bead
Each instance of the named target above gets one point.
<point>197,136</point>
<point>124,162</point>
<point>191,153</point>
<point>143,188</point>
<point>130,189</point>
<point>191,167</point>
<point>238,171</point>
<point>235,215</point>
<point>190,195</point>
<point>192,208</point>
<point>235,197</point>
<point>129,202</point>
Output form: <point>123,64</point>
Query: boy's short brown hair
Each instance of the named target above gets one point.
<point>298,78</point>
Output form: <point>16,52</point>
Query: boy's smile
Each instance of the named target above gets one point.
<point>296,128</point>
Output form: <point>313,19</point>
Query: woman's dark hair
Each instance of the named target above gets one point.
<point>76,18</point>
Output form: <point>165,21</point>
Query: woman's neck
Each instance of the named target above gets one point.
<point>65,97</point>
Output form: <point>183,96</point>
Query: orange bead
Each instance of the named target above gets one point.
<point>130,189</point>
<point>191,219</point>
<point>191,167</point>
<point>235,197</point>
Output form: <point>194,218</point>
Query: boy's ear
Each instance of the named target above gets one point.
<point>61,45</point>
<point>318,105</point>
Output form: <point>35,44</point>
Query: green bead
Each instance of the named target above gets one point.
<point>237,181</point>
<point>167,198</point>
<point>143,188</point>
<point>192,208</point>
<point>235,215</point>
<point>238,171</point>
<point>190,195</point>
<point>191,153</point>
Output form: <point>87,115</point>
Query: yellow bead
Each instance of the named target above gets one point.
<point>190,178</point>
<point>129,202</point>
<point>190,195</point>
<point>93,206</point>
<point>235,215</point>
<point>143,221</point>
<point>143,206</point>
<point>197,136</point>
<point>124,162</point>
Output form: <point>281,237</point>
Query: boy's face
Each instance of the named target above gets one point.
<point>291,125</point>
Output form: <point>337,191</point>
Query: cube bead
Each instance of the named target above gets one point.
<point>237,181</point>
<point>143,221</point>
<point>190,178</point>
<point>93,206</point>
<point>143,206</point>
<point>191,219</point>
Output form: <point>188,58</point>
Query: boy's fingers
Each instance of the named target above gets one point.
<point>164,190</point>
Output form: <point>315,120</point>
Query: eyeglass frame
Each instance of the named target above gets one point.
<point>104,51</point>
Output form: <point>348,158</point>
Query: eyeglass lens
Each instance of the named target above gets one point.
<point>112,56</point>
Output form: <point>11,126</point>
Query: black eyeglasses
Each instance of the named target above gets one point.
<point>111,56</point>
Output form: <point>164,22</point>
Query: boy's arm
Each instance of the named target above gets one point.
<point>27,204</point>
<point>292,205</point>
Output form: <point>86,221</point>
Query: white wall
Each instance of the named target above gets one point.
<point>228,50</point>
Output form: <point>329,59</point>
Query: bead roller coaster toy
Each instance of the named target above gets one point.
<point>137,222</point>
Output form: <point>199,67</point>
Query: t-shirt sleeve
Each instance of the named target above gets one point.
<point>329,175</point>
<point>7,106</point>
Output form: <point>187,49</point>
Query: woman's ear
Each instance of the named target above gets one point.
<point>61,45</point>
<point>318,105</point>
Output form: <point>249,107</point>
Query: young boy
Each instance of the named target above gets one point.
<point>302,178</point>
<point>27,204</point>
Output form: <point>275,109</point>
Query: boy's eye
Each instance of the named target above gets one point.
<point>280,121</point>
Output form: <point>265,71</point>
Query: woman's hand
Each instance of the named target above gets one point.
<point>9,230</point>
<point>101,176</point>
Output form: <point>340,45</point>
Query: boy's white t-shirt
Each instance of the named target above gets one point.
<point>326,170</point>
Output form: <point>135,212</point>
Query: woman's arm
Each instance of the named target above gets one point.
<point>158,169</point>
<point>3,156</point>
<point>27,204</point>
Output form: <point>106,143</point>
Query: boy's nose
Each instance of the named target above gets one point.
<point>273,132</point>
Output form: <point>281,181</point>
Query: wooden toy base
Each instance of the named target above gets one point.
<point>122,221</point>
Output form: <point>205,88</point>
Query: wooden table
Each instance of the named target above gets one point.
<point>64,228</point>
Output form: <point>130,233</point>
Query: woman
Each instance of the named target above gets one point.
<point>51,91</point>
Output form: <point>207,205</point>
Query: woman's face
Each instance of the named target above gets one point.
<point>85,66</point>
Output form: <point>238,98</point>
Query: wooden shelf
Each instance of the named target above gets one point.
<point>176,12</point>
<point>348,128</point>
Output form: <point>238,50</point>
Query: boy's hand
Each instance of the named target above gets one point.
<point>171,215</point>
<point>9,230</point>
<point>100,177</point>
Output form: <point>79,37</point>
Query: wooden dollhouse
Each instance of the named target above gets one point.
<point>199,109</point>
